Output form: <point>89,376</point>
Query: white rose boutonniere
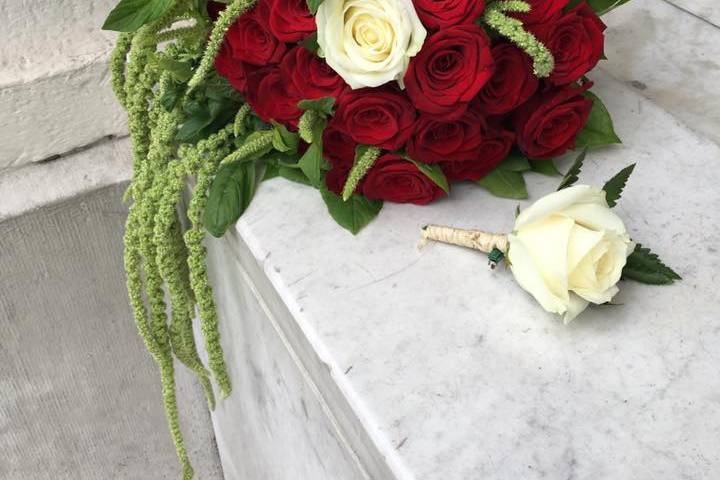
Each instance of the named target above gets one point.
<point>568,250</point>
<point>369,42</point>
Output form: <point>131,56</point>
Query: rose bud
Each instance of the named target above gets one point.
<point>437,14</point>
<point>291,20</point>
<point>395,179</point>
<point>512,84</point>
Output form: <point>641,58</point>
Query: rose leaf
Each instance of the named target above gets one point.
<point>646,267</point>
<point>505,184</point>
<point>353,214</point>
<point>572,175</point>
<point>615,186</point>
<point>599,130</point>
<point>434,173</point>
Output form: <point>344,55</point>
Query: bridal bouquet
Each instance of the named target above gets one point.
<point>365,100</point>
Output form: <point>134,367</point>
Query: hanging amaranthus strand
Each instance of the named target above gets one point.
<point>159,257</point>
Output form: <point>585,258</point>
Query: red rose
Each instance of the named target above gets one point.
<point>271,97</point>
<point>450,70</point>
<point>437,14</point>
<point>512,84</point>
<point>338,147</point>
<point>336,178</point>
<point>438,140</point>
<point>234,70</point>
<point>310,75</point>
<point>395,179</point>
<point>494,148</point>
<point>251,39</point>
<point>291,20</point>
<point>547,125</point>
<point>541,11</point>
<point>576,40</point>
<point>383,117</point>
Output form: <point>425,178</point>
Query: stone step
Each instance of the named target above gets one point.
<point>55,91</point>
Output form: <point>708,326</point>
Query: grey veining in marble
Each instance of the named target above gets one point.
<point>460,375</point>
<point>705,9</point>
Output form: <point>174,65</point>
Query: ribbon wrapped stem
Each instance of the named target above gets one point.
<point>475,239</point>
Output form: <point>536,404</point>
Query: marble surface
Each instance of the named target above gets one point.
<point>454,373</point>
<point>670,57</point>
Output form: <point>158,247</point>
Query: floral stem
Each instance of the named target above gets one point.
<point>474,239</point>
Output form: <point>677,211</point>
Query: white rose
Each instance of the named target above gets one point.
<point>569,249</point>
<point>369,42</point>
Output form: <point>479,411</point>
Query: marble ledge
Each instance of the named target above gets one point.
<point>461,375</point>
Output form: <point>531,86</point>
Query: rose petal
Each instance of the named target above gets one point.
<point>546,242</point>
<point>576,306</point>
<point>559,201</point>
<point>596,217</point>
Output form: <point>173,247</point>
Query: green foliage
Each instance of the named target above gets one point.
<point>599,130</point>
<point>311,128</point>
<point>130,15</point>
<point>284,140</point>
<point>516,162</point>
<point>645,267</point>
<point>312,161</point>
<point>434,173</point>
<point>545,167</point>
<point>601,7</point>
<point>572,175</point>
<point>313,5</point>
<point>614,187</point>
<point>324,106</point>
<point>230,195</point>
<point>208,110</point>
<point>311,43</point>
<point>353,214</point>
<point>505,183</point>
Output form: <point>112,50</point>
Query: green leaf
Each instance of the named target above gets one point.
<point>645,267</point>
<point>516,162</point>
<point>572,175</point>
<point>231,192</point>
<point>599,130</point>
<point>171,96</point>
<point>353,214</point>
<point>323,106</point>
<point>180,71</point>
<point>198,117</point>
<point>505,184</point>
<point>601,7</point>
<point>434,173</point>
<point>311,43</point>
<point>294,175</point>
<point>284,140</point>
<point>614,188</point>
<point>311,163</point>
<point>313,5</point>
<point>129,15</point>
<point>545,167</point>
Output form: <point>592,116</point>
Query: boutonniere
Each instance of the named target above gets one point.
<point>569,249</point>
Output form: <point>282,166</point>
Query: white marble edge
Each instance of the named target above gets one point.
<point>364,407</point>
<point>309,365</point>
